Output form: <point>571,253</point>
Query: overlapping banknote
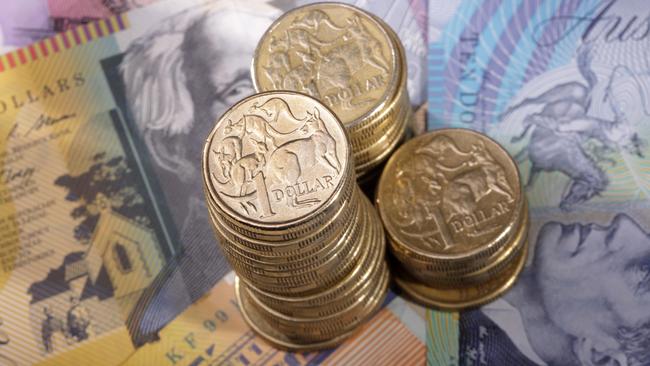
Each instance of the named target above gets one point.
<point>25,22</point>
<point>565,87</point>
<point>106,252</point>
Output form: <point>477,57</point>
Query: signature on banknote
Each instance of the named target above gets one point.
<point>102,211</point>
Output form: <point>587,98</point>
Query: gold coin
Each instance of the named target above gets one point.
<point>373,143</point>
<point>368,268</point>
<point>291,250</point>
<point>393,111</point>
<point>371,147</point>
<point>318,330</point>
<point>271,335</point>
<point>334,52</point>
<point>369,137</point>
<point>332,318</point>
<point>345,249</point>
<point>382,148</point>
<point>462,269</point>
<point>310,282</point>
<point>450,195</point>
<point>301,310</point>
<point>459,298</point>
<point>290,230</point>
<point>476,274</point>
<point>275,159</point>
<point>371,259</point>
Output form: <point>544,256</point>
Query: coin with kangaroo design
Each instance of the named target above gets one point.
<point>306,243</point>
<point>348,59</point>
<point>456,218</point>
<point>275,158</point>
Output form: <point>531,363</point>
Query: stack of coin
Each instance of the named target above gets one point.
<point>351,61</point>
<point>306,244</point>
<point>457,221</point>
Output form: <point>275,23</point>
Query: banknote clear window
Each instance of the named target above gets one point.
<point>122,258</point>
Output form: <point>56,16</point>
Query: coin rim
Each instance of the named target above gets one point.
<point>396,68</point>
<point>213,196</point>
<point>383,180</point>
<point>417,291</point>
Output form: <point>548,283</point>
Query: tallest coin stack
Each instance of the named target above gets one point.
<point>306,244</point>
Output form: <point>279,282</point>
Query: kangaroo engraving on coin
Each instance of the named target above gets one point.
<point>334,53</point>
<point>449,192</point>
<point>276,157</point>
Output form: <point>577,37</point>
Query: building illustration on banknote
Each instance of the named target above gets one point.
<point>113,268</point>
<point>115,251</point>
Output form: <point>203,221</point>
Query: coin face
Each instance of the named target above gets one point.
<point>333,52</point>
<point>275,158</point>
<point>450,192</point>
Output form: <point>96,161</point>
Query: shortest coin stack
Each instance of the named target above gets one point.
<point>351,61</point>
<point>456,218</point>
<point>306,244</point>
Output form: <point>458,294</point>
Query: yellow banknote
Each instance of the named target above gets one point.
<point>104,232</point>
<point>98,247</point>
<point>212,332</point>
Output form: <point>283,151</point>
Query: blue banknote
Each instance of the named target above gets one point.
<point>564,87</point>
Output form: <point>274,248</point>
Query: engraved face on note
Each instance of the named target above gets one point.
<point>450,191</point>
<point>333,52</point>
<point>275,157</point>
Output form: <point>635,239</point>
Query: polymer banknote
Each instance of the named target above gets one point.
<point>25,22</point>
<point>212,332</point>
<point>104,231</point>
<point>562,85</point>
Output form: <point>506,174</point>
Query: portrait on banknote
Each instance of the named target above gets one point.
<point>581,300</point>
<point>101,207</point>
<point>172,83</point>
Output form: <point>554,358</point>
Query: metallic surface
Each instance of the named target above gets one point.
<point>252,158</point>
<point>306,244</point>
<point>351,61</point>
<point>450,194</point>
<point>336,53</point>
<point>455,216</point>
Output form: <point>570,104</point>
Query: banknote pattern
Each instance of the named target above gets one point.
<point>213,332</point>
<point>562,86</point>
<point>61,42</point>
<point>24,23</point>
<point>102,208</point>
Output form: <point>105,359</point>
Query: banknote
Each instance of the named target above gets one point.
<point>25,22</point>
<point>212,332</point>
<point>104,232</point>
<point>562,85</point>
